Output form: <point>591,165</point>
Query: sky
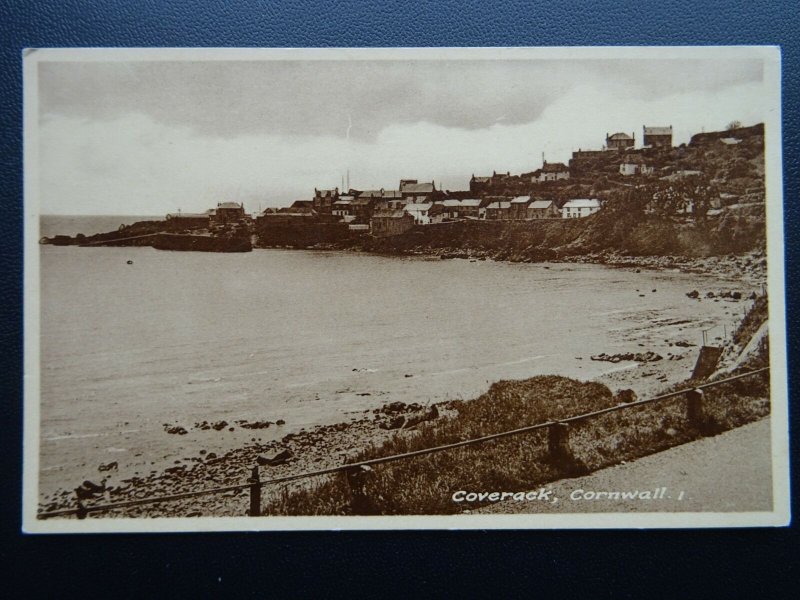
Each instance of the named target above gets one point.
<point>147,137</point>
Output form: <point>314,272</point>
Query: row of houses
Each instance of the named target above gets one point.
<point>388,222</point>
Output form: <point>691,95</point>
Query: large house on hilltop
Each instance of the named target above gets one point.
<point>582,207</point>
<point>551,172</point>
<point>658,136</point>
<point>620,141</point>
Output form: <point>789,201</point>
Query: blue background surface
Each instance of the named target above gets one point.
<point>651,564</point>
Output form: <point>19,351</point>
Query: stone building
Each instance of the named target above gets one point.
<point>227,213</point>
<point>385,223</point>
<point>543,209</point>
<point>324,199</point>
<point>551,172</point>
<point>620,141</point>
<point>658,137</point>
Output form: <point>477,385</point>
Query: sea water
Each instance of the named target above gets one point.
<point>312,337</point>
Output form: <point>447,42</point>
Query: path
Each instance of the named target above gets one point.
<point>728,472</point>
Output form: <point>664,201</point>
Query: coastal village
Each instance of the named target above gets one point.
<point>554,191</point>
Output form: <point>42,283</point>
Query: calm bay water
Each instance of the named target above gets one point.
<point>311,337</point>
<point>50,225</point>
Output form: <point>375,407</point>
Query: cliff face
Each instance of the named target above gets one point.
<point>607,231</point>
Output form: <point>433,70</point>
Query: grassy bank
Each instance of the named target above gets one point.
<point>425,484</point>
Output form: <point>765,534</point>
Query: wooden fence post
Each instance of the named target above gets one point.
<point>255,493</point>
<point>357,478</point>
<point>694,408</point>
<point>558,441</point>
<point>559,452</point>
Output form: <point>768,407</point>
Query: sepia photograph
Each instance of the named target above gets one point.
<point>444,288</point>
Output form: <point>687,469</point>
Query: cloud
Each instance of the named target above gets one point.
<point>234,98</point>
<point>134,163</point>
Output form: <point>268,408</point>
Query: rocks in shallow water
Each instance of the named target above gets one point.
<point>684,344</point>
<point>255,424</point>
<point>175,429</point>
<point>648,356</point>
<point>280,422</point>
<point>112,466</point>
<point>219,425</point>
<point>693,294</point>
<point>278,456</point>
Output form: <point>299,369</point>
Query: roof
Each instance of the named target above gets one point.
<point>342,203</point>
<point>295,210</point>
<point>362,201</point>
<point>471,202</point>
<point>229,205</point>
<point>417,188</point>
<point>187,216</point>
<point>418,206</point>
<point>554,167</point>
<point>658,130</point>
<point>521,200</point>
<point>499,205</point>
<point>450,202</point>
<point>389,214</point>
<point>540,204</point>
<point>481,179</point>
<point>619,136</point>
<point>301,203</point>
<point>582,203</point>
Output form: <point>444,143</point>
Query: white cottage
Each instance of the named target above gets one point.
<point>420,211</point>
<point>581,207</point>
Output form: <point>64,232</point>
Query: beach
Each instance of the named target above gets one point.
<point>277,337</point>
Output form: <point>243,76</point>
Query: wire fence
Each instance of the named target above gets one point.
<point>558,447</point>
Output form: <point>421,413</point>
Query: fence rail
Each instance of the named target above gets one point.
<point>558,446</point>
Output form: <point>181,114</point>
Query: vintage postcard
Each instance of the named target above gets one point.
<point>441,288</point>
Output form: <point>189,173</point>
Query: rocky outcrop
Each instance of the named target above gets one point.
<point>643,357</point>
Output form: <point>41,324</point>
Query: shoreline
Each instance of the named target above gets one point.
<point>748,267</point>
<point>329,445</point>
